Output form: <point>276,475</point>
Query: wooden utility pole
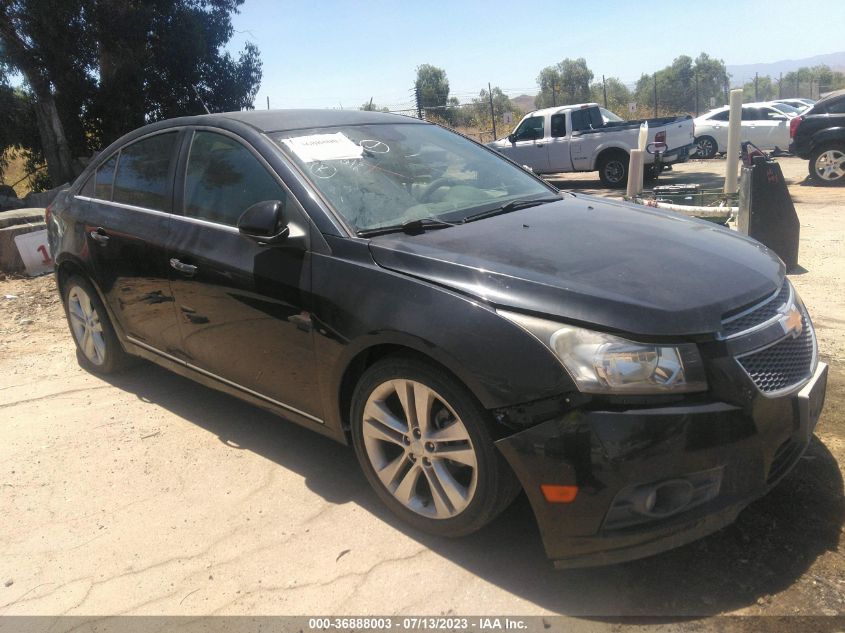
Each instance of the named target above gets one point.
<point>604,89</point>
<point>655,95</point>
<point>696,92</point>
<point>492,111</point>
<point>756,95</point>
<point>780,86</point>
<point>268,102</point>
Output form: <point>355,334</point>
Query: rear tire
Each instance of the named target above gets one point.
<point>98,349</point>
<point>827,164</point>
<point>707,146</point>
<point>613,169</point>
<point>443,476</point>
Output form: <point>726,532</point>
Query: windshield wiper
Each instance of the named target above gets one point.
<point>418,225</point>
<point>510,206</point>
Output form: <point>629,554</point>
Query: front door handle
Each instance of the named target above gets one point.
<point>99,236</point>
<point>188,269</point>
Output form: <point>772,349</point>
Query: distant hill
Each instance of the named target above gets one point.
<point>742,73</point>
<point>524,103</point>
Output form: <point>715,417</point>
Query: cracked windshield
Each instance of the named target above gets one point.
<point>377,176</point>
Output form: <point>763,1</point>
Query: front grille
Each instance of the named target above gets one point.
<point>752,317</point>
<point>784,364</point>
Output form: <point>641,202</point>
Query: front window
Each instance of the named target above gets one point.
<point>387,174</point>
<point>530,129</point>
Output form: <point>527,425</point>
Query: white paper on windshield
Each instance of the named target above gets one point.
<point>319,147</point>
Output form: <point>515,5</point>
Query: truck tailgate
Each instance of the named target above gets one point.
<point>678,133</point>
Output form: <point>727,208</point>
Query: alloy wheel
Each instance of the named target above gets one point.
<point>419,449</point>
<point>830,165</point>
<point>614,171</point>
<point>86,325</point>
<point>706,148</point>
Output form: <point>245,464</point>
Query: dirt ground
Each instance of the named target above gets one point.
<point>149,494</point>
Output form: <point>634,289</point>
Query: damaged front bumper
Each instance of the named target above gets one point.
<point>651,479</point>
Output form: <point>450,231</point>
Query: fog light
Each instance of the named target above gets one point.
<point>644,503</point>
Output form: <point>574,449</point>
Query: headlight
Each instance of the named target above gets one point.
<point>604,363</point>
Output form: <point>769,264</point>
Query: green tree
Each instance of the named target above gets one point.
<point>766,90</point>
<point>99,68</point>
<point>432,88</point>
<point>811,82</point>
<point>369,106</point>
<point>676,84</point>
<point>567,82</point>
<point>618,94</point>
<point>501,104</point>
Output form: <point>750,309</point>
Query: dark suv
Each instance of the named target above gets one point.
<point>468,328</point>
<point>819,135</point>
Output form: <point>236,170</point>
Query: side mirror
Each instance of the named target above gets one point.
<point>512,138</point>
<point>264,222</point>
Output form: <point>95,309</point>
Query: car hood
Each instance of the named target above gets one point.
<point>613,265</point>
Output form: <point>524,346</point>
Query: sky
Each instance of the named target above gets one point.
<point>329,53</point>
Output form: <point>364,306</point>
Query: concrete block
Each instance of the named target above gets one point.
<point>10,258</point>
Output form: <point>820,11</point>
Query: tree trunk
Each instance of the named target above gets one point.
<point>53,140</point>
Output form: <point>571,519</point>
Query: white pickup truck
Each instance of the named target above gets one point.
<point>586,137</point>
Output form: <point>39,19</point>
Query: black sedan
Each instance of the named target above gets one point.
<point>471,331</point>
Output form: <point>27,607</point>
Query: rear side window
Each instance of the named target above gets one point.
<point>586,119</point>
<point>836,107</point>
<point>103,179</point>
<point>143,172</point>
<point>224,179</point>
<point>753,114</point>
<point>721,116</point>
<point>558,125</point>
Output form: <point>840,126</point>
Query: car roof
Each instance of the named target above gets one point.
<point>830,97</point>
<point>756,104</point>
<point>561,108</point>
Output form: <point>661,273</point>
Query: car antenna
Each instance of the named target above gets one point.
<point>205,107</point>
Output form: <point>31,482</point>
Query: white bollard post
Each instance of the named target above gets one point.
<point>635,173</point>
<point>732,162</point>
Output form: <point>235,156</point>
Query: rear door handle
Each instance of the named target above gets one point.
<point>99,236</point>
<point>188,269</point>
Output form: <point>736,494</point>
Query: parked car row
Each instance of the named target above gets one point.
<point>766,124</point>
<point>808,129</point>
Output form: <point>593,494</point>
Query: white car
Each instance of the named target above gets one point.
<point>762,123</point>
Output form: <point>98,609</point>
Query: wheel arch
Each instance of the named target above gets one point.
<point>828,135</point>
<point>68,266</point>
<point>608,150</point>
<point>365,354</point>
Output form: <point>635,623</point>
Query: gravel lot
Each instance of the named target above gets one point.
<point>149,494</point>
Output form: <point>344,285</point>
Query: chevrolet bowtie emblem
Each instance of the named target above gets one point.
<point>791,322</point>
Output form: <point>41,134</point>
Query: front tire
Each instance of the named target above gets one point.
<point>98,349</point>
<point>613,169</point>
<point>827,164</point>
<point>424,444</point>
<point>707,146</point>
